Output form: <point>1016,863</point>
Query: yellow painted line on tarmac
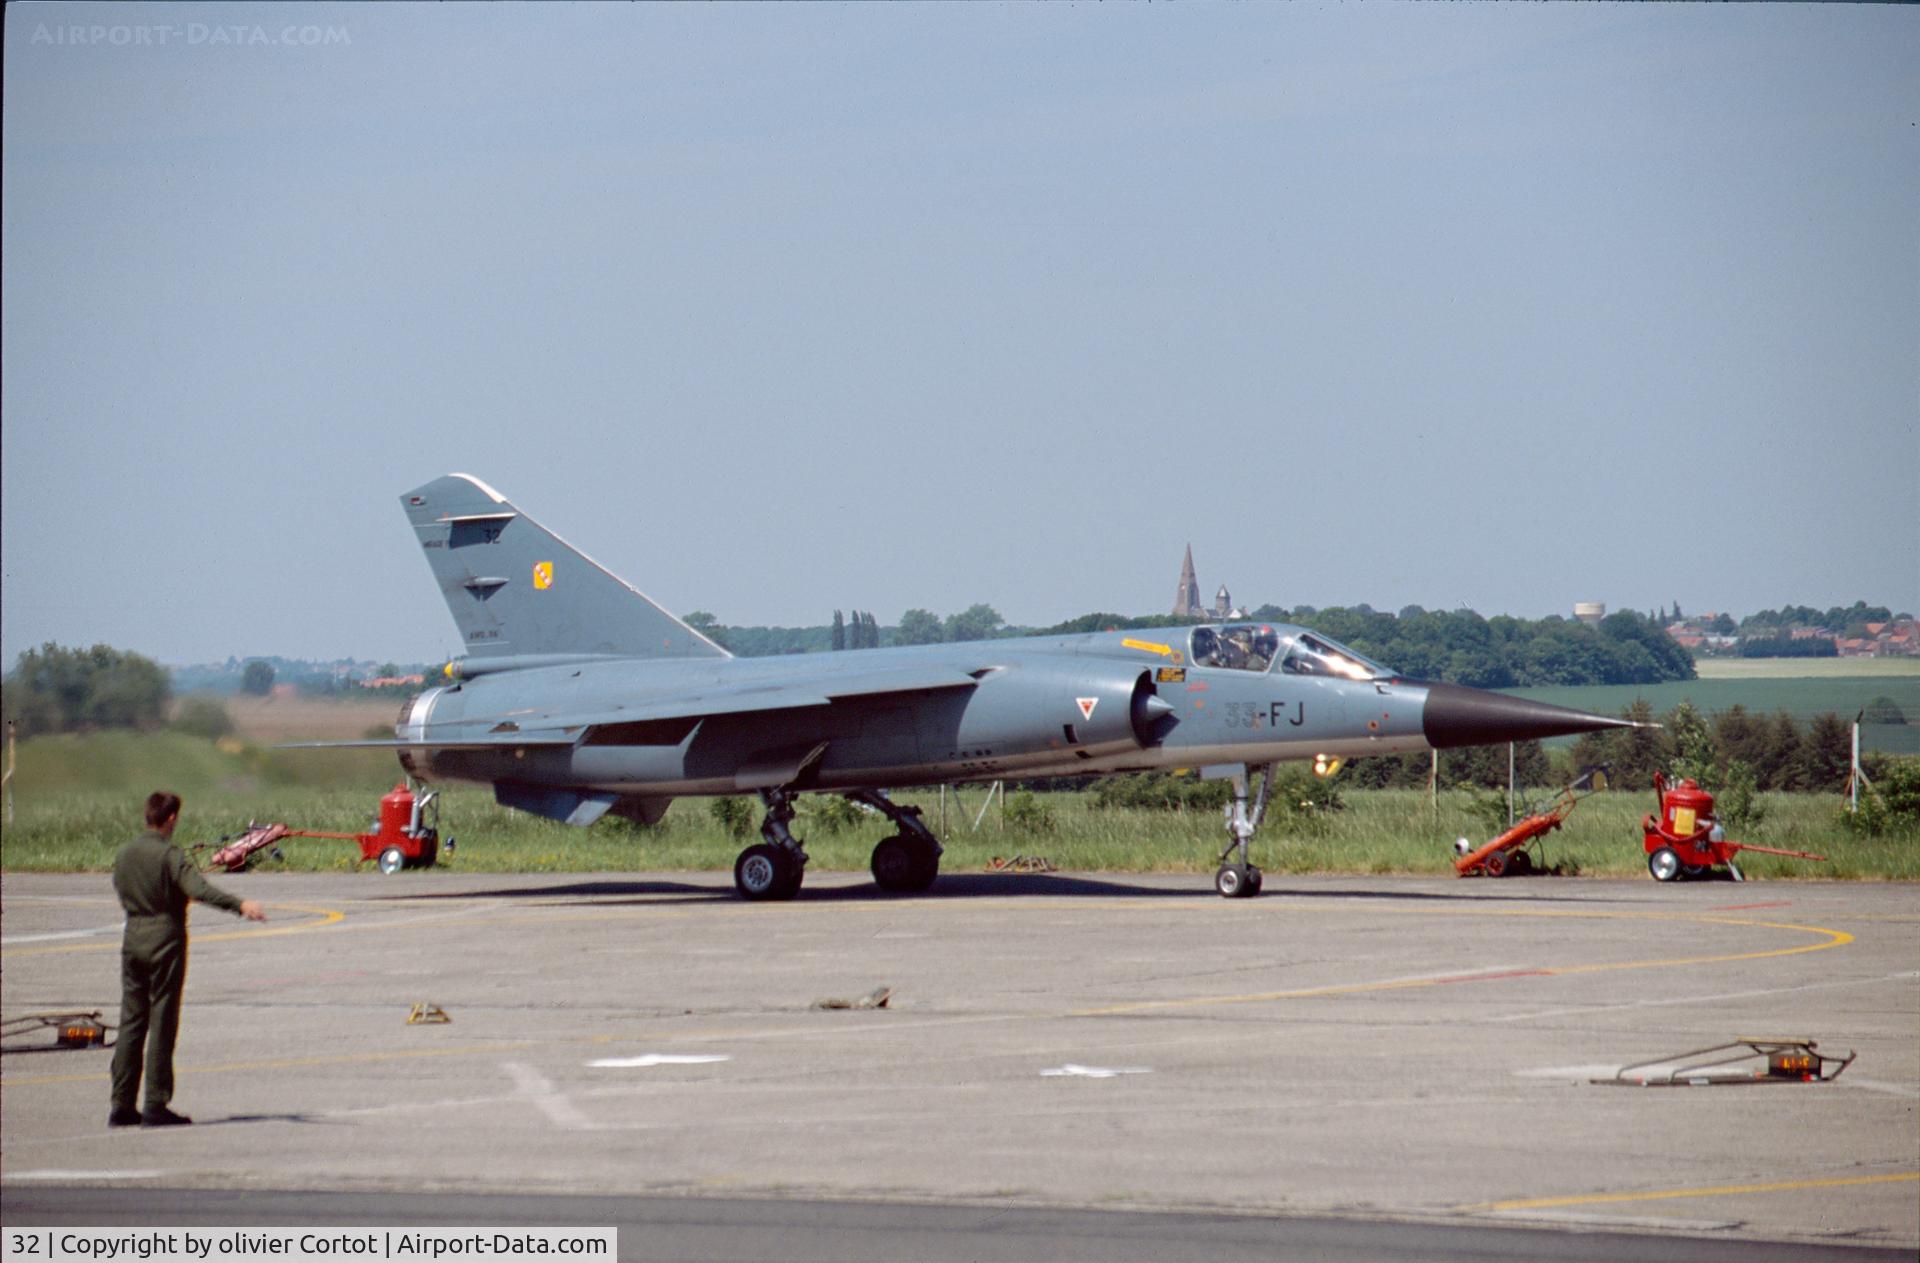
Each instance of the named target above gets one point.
<point>1833,938</point>
<point>328,916</point>
<point>1722,1190</point>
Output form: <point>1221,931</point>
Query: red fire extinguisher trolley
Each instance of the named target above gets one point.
<point>1685,841</point>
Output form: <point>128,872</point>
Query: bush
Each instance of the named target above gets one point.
<point>1298,793</point>
<point>830,813</point>
<point>1161,791</point>
<point>1883,710</point>
<point>1029,814</point>
<point>203,717</point>
<point>734,814</point>
<point>1899,786</point>
<point>1736,802</point>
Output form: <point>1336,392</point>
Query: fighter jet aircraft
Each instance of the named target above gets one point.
<point>578,696</point>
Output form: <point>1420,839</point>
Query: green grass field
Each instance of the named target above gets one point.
<point>1807,668</point>
<point>1801,697</point>
<point>77,798</point>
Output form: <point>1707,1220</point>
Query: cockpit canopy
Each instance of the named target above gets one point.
<point>1258,646</point>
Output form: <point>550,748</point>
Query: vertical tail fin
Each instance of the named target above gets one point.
<point>514,587</point>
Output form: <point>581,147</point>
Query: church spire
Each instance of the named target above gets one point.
<point>1186,600</point>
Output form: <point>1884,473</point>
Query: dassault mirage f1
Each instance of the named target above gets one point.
<point>578,696</point>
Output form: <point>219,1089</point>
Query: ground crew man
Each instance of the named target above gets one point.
<point>155,881</point>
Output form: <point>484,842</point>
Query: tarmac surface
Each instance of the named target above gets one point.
<point>1361,1050</point>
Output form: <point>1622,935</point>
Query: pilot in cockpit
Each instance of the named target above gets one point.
<point>1236,646</point>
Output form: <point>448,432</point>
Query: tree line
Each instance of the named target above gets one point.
<point>56,689</point>
<point>1848,620</point>
<point>1766,752</point>
<point>1457,646</point>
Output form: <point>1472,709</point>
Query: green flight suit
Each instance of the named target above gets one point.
<point>155,881</point>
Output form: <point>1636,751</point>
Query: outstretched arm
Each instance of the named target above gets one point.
<point>188,878</point>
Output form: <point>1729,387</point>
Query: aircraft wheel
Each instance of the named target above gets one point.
<point>392,860</point>
<point>766,872</point>
<point>1234,881</point>
<point>1255,880</point>
<point>902,866</point>
<point>1497,864</point>
<point>1520,864</point>
<point>1664,864</point>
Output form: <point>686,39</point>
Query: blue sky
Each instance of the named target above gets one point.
<point>777,309</point>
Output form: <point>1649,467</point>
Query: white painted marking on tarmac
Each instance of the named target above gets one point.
<point>1071,1070</point>
<point>658,1059</point>
<point>1568,1072</point>
<point>551,1101</point>
<point>1907,1090</point>
<point>8,940</point>
<point>83,1175</point>
<point>1654,1223</point>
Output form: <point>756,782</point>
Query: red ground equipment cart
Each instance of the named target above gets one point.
<point>1509,853</point>
<point>404,835</point>
<point>1684,840</point>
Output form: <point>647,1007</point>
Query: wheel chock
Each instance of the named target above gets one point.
<point>874,999</point>
<point>425,1014</point>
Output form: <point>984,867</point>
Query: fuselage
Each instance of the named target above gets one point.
<point>1244,694</point>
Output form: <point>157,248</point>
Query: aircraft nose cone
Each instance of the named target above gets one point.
<point>1459,716</point>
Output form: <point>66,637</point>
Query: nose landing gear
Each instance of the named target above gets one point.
<point>1237,878</point>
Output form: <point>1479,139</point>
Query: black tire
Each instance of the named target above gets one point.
<point>763,873</point>
<point>1497,864</point>
<point>392,860</point>
<point>1694,872</point>
<point>1664,864</point>
<point>1232,881</point>
<point>1520,864</point>
<point>903,866</point>
<point>1255,880</point>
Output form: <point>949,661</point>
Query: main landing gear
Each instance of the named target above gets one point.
<point>772,869</point>
<point>1237,878</point>
<point>907,862</point>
